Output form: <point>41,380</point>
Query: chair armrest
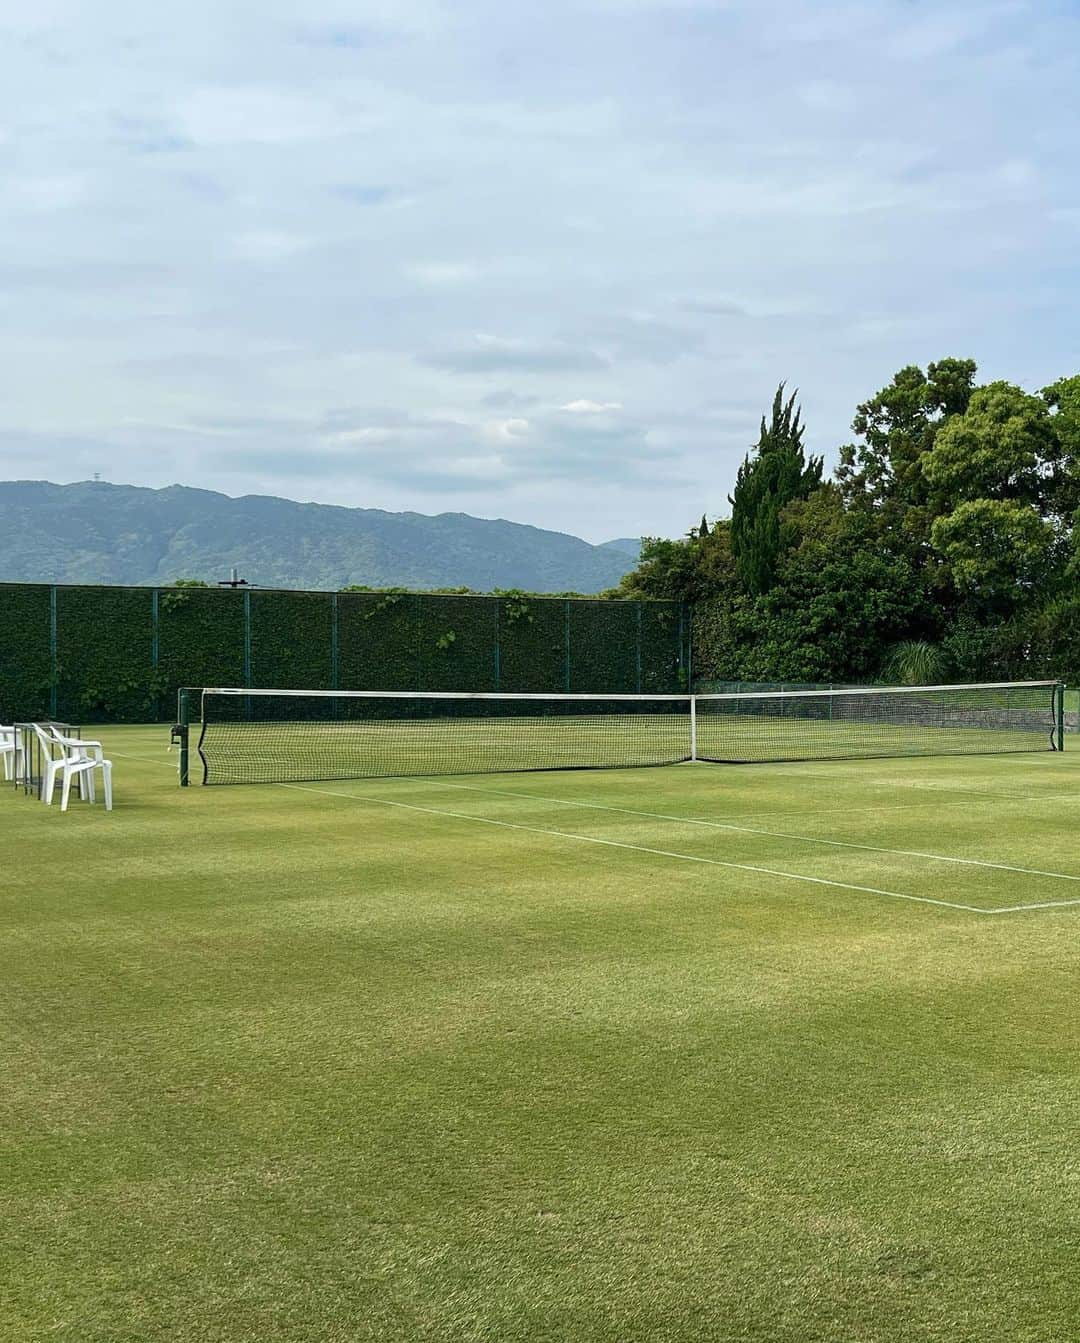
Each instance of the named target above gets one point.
<point>79,744</point>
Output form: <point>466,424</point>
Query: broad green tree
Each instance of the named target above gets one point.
<point>1004,446</point>
<point>882,473</point>
<point>999,551</point>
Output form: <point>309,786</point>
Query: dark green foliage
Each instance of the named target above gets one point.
<point>105,656</point>
<point>664,629</point>
<point>385,641</point>
<point>377,637</point>
<point>201,639</point>
<point>915,662</point>
<point>25,661</point>
<point>1051,640</point>
<point>693,569</point>
<point>604,646</point>
<point>836,604</point>
<point>291,639</point>
<point>952,523</point>
<point>456,642</point>
<point>898,426</point>
<point>667,571</point>
<point>766,483</point>
<point>532,644</point>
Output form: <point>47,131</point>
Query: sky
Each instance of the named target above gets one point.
<point>546,262</point>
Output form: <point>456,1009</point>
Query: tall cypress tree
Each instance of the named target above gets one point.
<point>776,473</point>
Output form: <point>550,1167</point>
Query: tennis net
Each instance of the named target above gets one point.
<point>895,721</point>
<point>294,736</point>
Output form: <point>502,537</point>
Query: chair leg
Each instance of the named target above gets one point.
<point>65,793</point>
<point>50,782</point>
<point>106,774</point>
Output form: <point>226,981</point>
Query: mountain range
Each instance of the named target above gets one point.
<point>96,532</point>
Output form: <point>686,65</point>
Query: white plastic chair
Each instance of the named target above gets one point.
<point>11,751</point>
<point>80,759</point>
<point>53,761</point>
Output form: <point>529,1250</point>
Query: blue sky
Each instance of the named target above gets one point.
<point>544,262</point>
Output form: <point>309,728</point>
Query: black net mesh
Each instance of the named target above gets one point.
<point>958,720</point>
<point>276,738</point>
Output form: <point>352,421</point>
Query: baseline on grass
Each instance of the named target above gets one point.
<point>292,736</point>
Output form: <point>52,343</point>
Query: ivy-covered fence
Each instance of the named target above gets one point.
<point>115,654</point>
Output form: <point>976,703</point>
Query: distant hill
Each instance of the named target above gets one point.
<point>625,545</point>
<point>94,532</point>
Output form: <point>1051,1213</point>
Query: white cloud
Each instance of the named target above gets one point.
<point>506,431</point>
<point>369,434</point>
<point>592,407</point>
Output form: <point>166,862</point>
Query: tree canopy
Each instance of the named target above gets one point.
<point>947,539</point>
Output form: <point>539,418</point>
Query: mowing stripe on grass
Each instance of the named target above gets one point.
<point>853,777</point>
<point>641,848</point>
<point>774,834</point>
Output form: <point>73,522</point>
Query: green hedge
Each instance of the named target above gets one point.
<point>456,643</point>
<point>291,639</point>
<point>604,644</point>
<point>121,654</point>
<point>665,628</point>
<point>200,639</point>
<point>25,657</point>
<point>532,644</point>
<point>104,654</point>
<point>377,641</point>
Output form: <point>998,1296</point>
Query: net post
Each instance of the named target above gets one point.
<point>1060,715</point>
<point>180,737</point>
<point>693,727</point>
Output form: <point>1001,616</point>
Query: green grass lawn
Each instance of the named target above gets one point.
<point>298,1064</point>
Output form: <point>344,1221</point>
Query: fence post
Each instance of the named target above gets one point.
<point>687,610</point>
<point>247,640</point>
<point>54,671</point>
<point>334,658</point>
<point>498,649</point>
<point>417,678</point>
<point>155,649</point>
<point>566,647</point>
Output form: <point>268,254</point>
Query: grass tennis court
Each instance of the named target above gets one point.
<point>781,1053</point>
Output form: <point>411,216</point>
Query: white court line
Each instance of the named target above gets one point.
<point>641,848</point>
<point>773,834</point>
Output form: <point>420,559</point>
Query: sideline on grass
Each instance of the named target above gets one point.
<point>673,854</point>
